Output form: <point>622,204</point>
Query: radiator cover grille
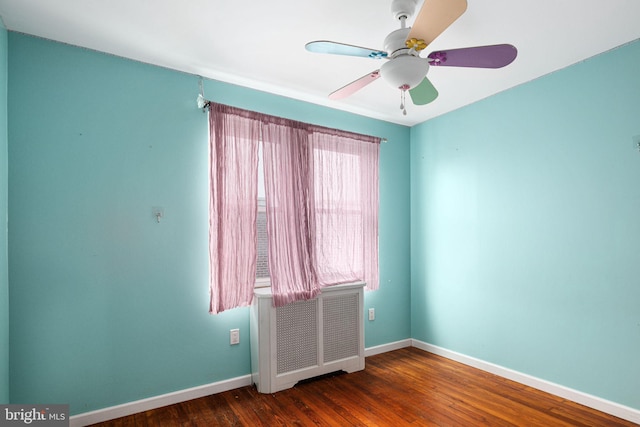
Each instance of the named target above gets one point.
<point>340,321</point>
<point>297,338</point>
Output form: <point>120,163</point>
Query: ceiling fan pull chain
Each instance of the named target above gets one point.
<point>402,101</point>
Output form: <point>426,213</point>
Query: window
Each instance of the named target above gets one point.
<point>262,262</point>
<point>315,188</point>
<point>338,213</point>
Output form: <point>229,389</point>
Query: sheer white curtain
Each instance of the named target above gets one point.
<point>233,204</point>
<point>321,190</point>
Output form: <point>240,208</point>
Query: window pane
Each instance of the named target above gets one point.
<point>262,264</point>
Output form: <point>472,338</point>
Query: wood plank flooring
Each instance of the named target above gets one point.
<point>407,387</point>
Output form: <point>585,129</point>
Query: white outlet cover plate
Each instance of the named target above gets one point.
<point>234,336</point>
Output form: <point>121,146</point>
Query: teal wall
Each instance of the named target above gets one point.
<point>525,228</point>
<point>4,274</point>
<point>107,305</point>
<point>511,238</point>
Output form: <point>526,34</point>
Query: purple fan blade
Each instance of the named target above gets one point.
<point>495,56</point>
<point>355,85</point>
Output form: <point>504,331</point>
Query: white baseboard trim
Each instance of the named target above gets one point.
<point>372,351</point>
<point>615,409</point>
<point>603,405</point>
<point>130,408</point>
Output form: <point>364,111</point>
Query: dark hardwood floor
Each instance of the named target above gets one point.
<point>398,388</point>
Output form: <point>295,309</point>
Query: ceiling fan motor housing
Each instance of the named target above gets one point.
<point>395,42</point>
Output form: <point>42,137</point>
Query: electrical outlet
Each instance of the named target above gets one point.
<point>234,336</point>
<point>372,314</point>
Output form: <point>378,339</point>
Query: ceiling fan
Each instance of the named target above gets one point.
<point>406,69</point>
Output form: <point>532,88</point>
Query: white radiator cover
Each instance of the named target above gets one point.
<point>306,338</point>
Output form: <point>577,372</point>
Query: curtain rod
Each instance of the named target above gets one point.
<point>203,104</point>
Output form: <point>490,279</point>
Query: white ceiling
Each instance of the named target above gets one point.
<point>260,44</point>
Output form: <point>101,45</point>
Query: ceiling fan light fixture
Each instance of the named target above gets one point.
<point>405,71</point>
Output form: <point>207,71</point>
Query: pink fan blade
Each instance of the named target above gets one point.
<point>495,56</point>
<point>355,86</point>
<point>434,17</point>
